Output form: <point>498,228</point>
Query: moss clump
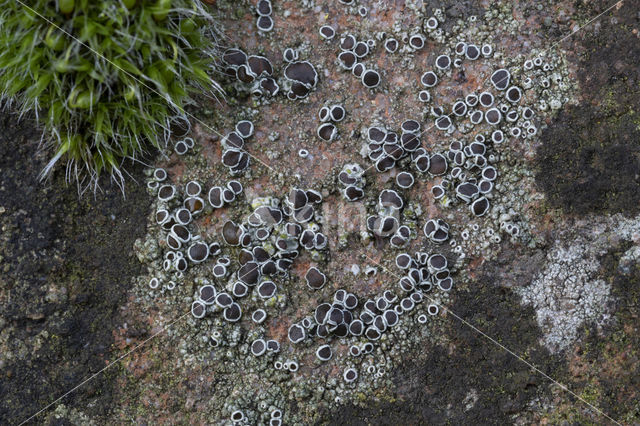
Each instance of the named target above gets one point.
<point>105,79</point>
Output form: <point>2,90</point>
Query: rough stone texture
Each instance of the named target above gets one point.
<point>66,270</point>
<point>591,159</point>
<point>454,375</point>
<point>590,156</point>
<point>460,382</point>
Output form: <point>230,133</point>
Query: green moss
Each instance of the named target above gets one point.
<point>106,80</point>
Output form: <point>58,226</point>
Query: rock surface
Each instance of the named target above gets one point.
<point>67,266</point>
<point>566,299</point>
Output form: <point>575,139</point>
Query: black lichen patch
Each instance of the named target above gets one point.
<point>471,380</point>
<point>588,163</point>
<point>66,269</point>
<point>589,160</point>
